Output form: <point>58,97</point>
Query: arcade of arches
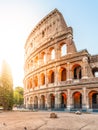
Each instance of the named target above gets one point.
<point>77,100</point>
<point>61,75</point>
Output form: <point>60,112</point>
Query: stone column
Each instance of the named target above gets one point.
<point>56,76</point>
<point>33,103</point>
<point>84,99</point>
<point>25,85</point>
<point>68,99</point>
<point>28,105</point>
<point>87,102</point>
<point>56,101</point>
<point>58,52</point>
<point>84,68</point>
<point>39,102</point>
<point>47,55</point>
<point>39,59</point>
<point>46,78</point>
<point>25,102</point>
<point>68,72</point>
<point>48,101</point>
<point>38,76</point>
<point>33,84</point>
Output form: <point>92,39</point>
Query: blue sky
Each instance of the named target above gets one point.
<point>18,17</point>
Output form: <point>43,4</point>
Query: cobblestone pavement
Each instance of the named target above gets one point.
<point>42,121</point>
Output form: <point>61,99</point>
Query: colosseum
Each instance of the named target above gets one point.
<point>56,75</point>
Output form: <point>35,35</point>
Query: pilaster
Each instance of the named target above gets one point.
<point>68,100</point>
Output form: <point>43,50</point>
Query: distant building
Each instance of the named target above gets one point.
<point>57,76</point>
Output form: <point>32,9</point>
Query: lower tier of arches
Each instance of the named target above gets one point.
<point>67,99</point>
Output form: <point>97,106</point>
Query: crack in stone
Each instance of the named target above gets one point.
<point>86,125</point>
<point>45,122</point>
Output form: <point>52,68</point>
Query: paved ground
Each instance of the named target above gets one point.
<point>41,121</point>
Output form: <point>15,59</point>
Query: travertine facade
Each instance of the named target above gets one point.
<point>57,76</point>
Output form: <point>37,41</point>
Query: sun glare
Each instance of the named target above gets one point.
<point>12,40</point>
<point>1,59</point>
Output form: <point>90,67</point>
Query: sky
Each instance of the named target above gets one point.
<point>19,17</point>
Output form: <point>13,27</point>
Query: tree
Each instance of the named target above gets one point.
<point>18,96</point>
<point>6,87</point>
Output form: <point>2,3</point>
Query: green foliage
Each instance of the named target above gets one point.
<point>18,96</point>
<point>6,87</point>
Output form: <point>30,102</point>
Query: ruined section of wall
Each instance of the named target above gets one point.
<point>48,29</point>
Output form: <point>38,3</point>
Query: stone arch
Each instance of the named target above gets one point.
<point>30,83</point>
<point>31,62</point>
<point>77,71</point>
<point>63,74</point>
<point>95,71</point>
<point>51,76</point>
<point>77,100</point>
<point>35,81</point>
<point>36,60</point>
<point>35,102</point>
<point>27,84</point>
<point>31,100</point>
<point>51,101</point>
<point>42,77</point>
<point>52,53</point>
<point>43,57</point>
<point>93,99</point>
<point>63,100</point>
<point>43,33</point>
<point>63,49</point>
<point>42,102</point>
<point>31,103</point>
<point>27,102</point>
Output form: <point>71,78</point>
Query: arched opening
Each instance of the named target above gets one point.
<point>77,100</point>
<point>43,57</point>
<point>77,72</point>
<point>63,50</point>
<point>35,102</point>
<point>36,61</point>
<point>93,100</point>
<point>43,33</point>
<point>51,76</point>
<point>52,101</point>
<point>42,105</point>
<point>35,81</point>
<point>27,102</point>
<point>30,63</point>
<point>95,72</point>
<point>63,74</point>
<point>31,103</point>
<point>42,79</point>
<point>52,54</point>
<point>63,100</point>
<point>30,83</point>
